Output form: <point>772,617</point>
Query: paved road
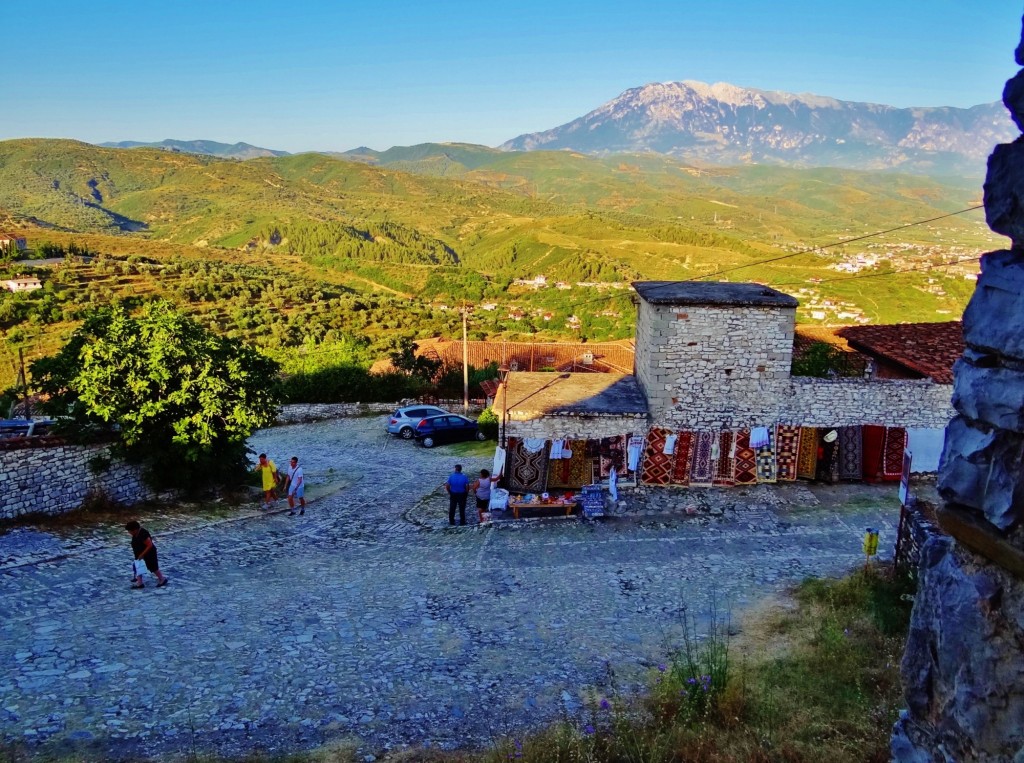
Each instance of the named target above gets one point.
<point>369,617</point>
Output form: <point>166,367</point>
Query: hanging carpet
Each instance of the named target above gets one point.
<point>702,470</point>
<point>573,472</point>
<point>529,470</point>
<point>828,457</point>
<point>684,457</point>
<point>892,460</point>
<point>873,439</point>
<point>807,456</point>
<point>786,451</point>
<point>657,466</point>
<point>725,466</point>
<point>613,453</point>
<point>766,467</point>
<point>746,462</point>
<point>851,453</point>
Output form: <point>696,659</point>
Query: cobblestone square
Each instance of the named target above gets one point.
<point>369,617</point>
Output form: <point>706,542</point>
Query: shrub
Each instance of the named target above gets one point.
<point>488,423</point>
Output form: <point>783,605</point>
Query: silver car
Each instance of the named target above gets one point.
<point>403,421</point>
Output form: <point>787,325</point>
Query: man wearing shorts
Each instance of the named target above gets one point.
<point>296,486</point>
<point>143,548</point>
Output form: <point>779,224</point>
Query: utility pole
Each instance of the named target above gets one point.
<point>23,381</point>
<point>465,361</point>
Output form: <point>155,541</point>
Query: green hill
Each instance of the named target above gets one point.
<point>462,222</point>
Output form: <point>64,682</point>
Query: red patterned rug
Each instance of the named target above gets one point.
<point>892,462</point>
<point>684,456</point>
<point>873,437</point>
<point>746,463</point>
<point>725,466</point>
<point>613,453</point>
<point>702,471</point>
<point>657,467</point>
<point>786,451</point>
<point>807,455</point>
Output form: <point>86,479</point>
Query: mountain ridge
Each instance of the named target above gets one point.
<point>727,124</point>
<point>239,150</point>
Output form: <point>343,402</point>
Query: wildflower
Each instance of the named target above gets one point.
<point>588,730</point>
<point>691,681</point>
<point>662,668</point>
<point>605,704</point>
<point>846,631</point>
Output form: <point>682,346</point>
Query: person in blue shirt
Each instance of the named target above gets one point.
<point>457,487</point>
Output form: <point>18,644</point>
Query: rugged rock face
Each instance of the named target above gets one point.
<point>726,124</point>
<point>963,668</point>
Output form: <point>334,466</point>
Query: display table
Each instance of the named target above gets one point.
<point>568,508</point>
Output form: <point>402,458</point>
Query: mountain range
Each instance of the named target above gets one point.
<point>726,124</point>
<point>723,124</point>
<point>202,147</point>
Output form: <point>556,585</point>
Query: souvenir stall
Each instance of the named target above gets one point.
<point>564,434</point>
<point>773,453</point>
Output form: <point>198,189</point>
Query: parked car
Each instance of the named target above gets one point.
<point>403,421</point>
<point>436,430</point>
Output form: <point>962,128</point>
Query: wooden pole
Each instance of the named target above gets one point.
<point>465,362</point>
<point>24,381</point>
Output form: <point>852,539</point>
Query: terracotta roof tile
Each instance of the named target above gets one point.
<point>929,349</point>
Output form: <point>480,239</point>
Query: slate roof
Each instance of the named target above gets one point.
<point>929,349</point>
<point>566,394</point>
<point>711,293</point>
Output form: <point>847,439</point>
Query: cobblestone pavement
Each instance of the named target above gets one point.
<point>369,617</point>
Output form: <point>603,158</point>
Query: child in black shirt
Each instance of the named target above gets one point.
<point>143,548</point>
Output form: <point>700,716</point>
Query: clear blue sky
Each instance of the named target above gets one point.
<point>333,75</point>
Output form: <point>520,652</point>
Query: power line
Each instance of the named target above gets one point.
<point>668,284</point>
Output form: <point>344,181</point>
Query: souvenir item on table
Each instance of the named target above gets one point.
<point>684,458</point>
<point>702,469</point>
<point>851,453</point>
<point>746,459</point>
<point>787,451</point>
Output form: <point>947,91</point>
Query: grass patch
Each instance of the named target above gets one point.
<point>472,449</point>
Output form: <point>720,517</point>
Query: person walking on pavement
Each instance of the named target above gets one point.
<point>457,487</point>
<point>295,485</point>
<point>144,551</point>
<point>268,471</point>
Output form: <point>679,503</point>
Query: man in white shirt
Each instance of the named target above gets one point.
<point>296,487</point>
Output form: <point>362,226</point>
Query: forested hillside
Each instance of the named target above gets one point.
<point>314,255</point>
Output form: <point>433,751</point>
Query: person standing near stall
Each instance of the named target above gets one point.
<point>457,487</point>
<point>482,491</point>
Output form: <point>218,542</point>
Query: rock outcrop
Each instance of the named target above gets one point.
<point>963,668</point>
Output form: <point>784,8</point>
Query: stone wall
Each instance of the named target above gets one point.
<point>575,427</point>
<point>59,479</point>
<point>963,668</point>
<point>848,402</point>
<point>917,526</point>
<point>302,413</point>
<point>713,367</point>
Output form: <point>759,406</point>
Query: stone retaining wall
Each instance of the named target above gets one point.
<point>302,413</point>
<point>59,479</point>
<point>909,403</point>
<point>576,427</point>
<point>917,526</point>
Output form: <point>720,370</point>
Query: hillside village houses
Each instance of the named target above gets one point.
<point>24,283</point>
<point>712,399</point>
<point>9,241</point>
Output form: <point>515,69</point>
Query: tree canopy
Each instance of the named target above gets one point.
<point>181,399</point>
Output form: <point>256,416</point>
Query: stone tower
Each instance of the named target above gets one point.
<point>963,669</point>
<point>713,355</point>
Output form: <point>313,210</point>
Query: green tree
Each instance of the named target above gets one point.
<point>181,399</point>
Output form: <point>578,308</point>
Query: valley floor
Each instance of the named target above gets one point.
<point>369,617</point>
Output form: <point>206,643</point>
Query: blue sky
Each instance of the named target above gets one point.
<point>308,75</point>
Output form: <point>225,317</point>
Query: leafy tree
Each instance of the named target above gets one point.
<point>181,399</point>
<point>404,358</point>
<point>823,360</point>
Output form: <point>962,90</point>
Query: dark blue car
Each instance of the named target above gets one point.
<point>437,430</point>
